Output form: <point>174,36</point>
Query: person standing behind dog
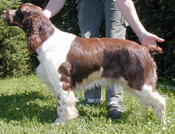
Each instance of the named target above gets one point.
<point>115,27</point>
<point>90,15</point>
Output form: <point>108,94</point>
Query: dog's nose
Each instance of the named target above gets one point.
<point>6,12</point>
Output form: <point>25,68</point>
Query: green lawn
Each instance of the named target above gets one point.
<point>28,107</point>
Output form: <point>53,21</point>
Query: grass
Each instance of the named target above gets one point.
<point>28,107</point>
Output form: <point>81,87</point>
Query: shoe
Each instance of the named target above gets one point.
<point>91,101</point>
<point>114,112</point>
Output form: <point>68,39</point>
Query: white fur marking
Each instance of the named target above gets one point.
<point>51,54</point>
<point>152,98</point>
<point>92,80</point>
<point>67,107</point>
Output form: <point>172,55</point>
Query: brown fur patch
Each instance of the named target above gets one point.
<point>65,71</point>
<point>119,58</point>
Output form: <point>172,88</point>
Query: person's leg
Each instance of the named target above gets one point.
<point>115,28</point>
<point>114,99</point>
<point>90,15</point>
<point>114,22</point>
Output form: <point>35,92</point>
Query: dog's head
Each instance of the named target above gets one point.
<point>32,20</point>
<point>19,16</point>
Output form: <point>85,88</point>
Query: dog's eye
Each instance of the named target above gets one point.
<point>18,16</point>
<point>40,29</point>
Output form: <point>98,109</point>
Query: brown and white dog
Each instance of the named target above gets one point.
<point>68,62</point>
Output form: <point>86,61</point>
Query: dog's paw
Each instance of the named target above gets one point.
<point>59,121</point>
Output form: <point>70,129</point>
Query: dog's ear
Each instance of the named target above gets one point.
<point>33,42</point>
<point>154,49</point>
<point>38,28</point>
<point>33,27</point>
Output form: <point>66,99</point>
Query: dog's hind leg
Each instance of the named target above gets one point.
<point>152,98</point>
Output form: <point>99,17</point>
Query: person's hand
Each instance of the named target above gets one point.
<point>47,13</point>
<point>150,39</point>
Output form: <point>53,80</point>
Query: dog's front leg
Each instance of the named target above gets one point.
<point>66,109</point>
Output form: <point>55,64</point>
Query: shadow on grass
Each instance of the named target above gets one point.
<point>33,105</point>
<point>91,111</point>
<point>24,106</point>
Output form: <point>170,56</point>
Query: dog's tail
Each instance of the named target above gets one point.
<point>154,49</point>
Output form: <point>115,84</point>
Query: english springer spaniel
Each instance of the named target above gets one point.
<point>68,63</point>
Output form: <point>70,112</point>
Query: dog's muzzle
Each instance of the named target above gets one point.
<point>8,15</point>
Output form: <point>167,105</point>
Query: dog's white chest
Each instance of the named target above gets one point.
<point>51,54</point>
<point>56,48</point>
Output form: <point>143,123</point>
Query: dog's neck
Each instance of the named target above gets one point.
<point>57,44</point>
<point>38,29</point>
<point>48,43</point>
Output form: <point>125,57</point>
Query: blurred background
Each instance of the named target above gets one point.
<point>158,17</point>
